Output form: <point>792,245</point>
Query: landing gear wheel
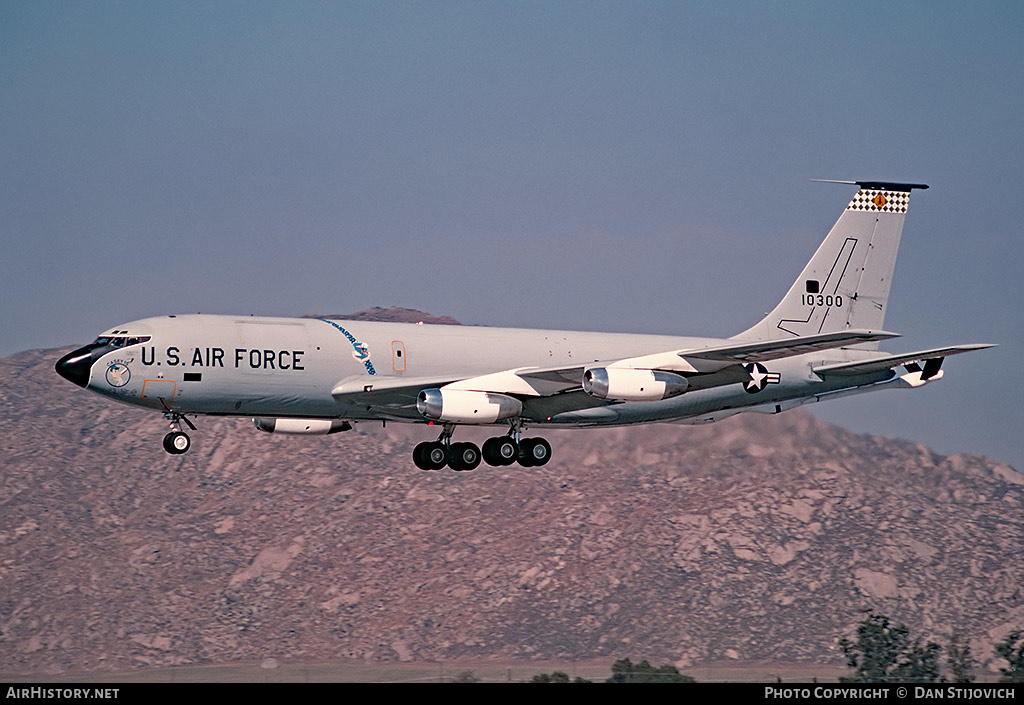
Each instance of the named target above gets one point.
<point>500,451</point>
<point>177,442</point>
<point>420,456</point>
<point>463,456</point>
<point>435,455</point>
<point>534,452</point>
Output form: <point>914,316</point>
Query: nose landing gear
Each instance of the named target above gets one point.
<point>177,441</point>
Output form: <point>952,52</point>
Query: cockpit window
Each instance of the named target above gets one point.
<point>106,341</point>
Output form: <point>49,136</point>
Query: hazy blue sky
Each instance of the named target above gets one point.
<point>625,166</point>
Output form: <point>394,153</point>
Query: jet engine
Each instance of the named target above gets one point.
<point>462,406</point>
<point>627,384</point>
<point>312,427</point>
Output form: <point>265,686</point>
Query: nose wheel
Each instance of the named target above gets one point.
<point>177,441</point>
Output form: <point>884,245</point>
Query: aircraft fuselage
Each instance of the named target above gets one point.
<point>284,367</point>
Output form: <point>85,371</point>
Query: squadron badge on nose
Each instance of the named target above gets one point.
<point>118,374</point>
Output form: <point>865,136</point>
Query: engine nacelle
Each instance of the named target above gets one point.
<point>627,384</point>
<point>462,406</point>
<point>313,427</point>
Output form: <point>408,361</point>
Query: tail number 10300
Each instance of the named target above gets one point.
<point>822,300</point>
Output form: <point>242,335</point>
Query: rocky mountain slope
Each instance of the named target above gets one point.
<point>757,538</point>
<point>395,314</point>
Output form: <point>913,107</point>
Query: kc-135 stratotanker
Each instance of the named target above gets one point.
<point>318,376</point>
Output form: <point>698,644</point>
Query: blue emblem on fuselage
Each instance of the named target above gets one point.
<point>360,351</point>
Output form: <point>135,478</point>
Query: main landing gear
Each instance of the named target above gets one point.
<point>177,441</point>
<point>498,451</point>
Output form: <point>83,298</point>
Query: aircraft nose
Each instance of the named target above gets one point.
<point>75,366</point>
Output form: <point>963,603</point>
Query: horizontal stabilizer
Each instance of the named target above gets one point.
<point>876,185</point>
<point>764,350</point>
<point>890,361</point>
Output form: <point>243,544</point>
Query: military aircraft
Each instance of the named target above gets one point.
<point>319,376</point>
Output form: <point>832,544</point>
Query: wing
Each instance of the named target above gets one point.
<point>387,397</point>
<point>395,397</point>
<point>546,391</point>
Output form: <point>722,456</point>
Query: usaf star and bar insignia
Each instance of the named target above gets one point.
<point>760,377</point>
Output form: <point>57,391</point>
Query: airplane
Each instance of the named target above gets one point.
<point>321,376</point>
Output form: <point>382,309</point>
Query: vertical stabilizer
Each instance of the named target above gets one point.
<point>846,283</point>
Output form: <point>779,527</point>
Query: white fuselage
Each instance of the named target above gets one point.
<point>282,367</point>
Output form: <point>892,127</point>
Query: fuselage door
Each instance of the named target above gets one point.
<point>398,356</point>
<point>159,392</point>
